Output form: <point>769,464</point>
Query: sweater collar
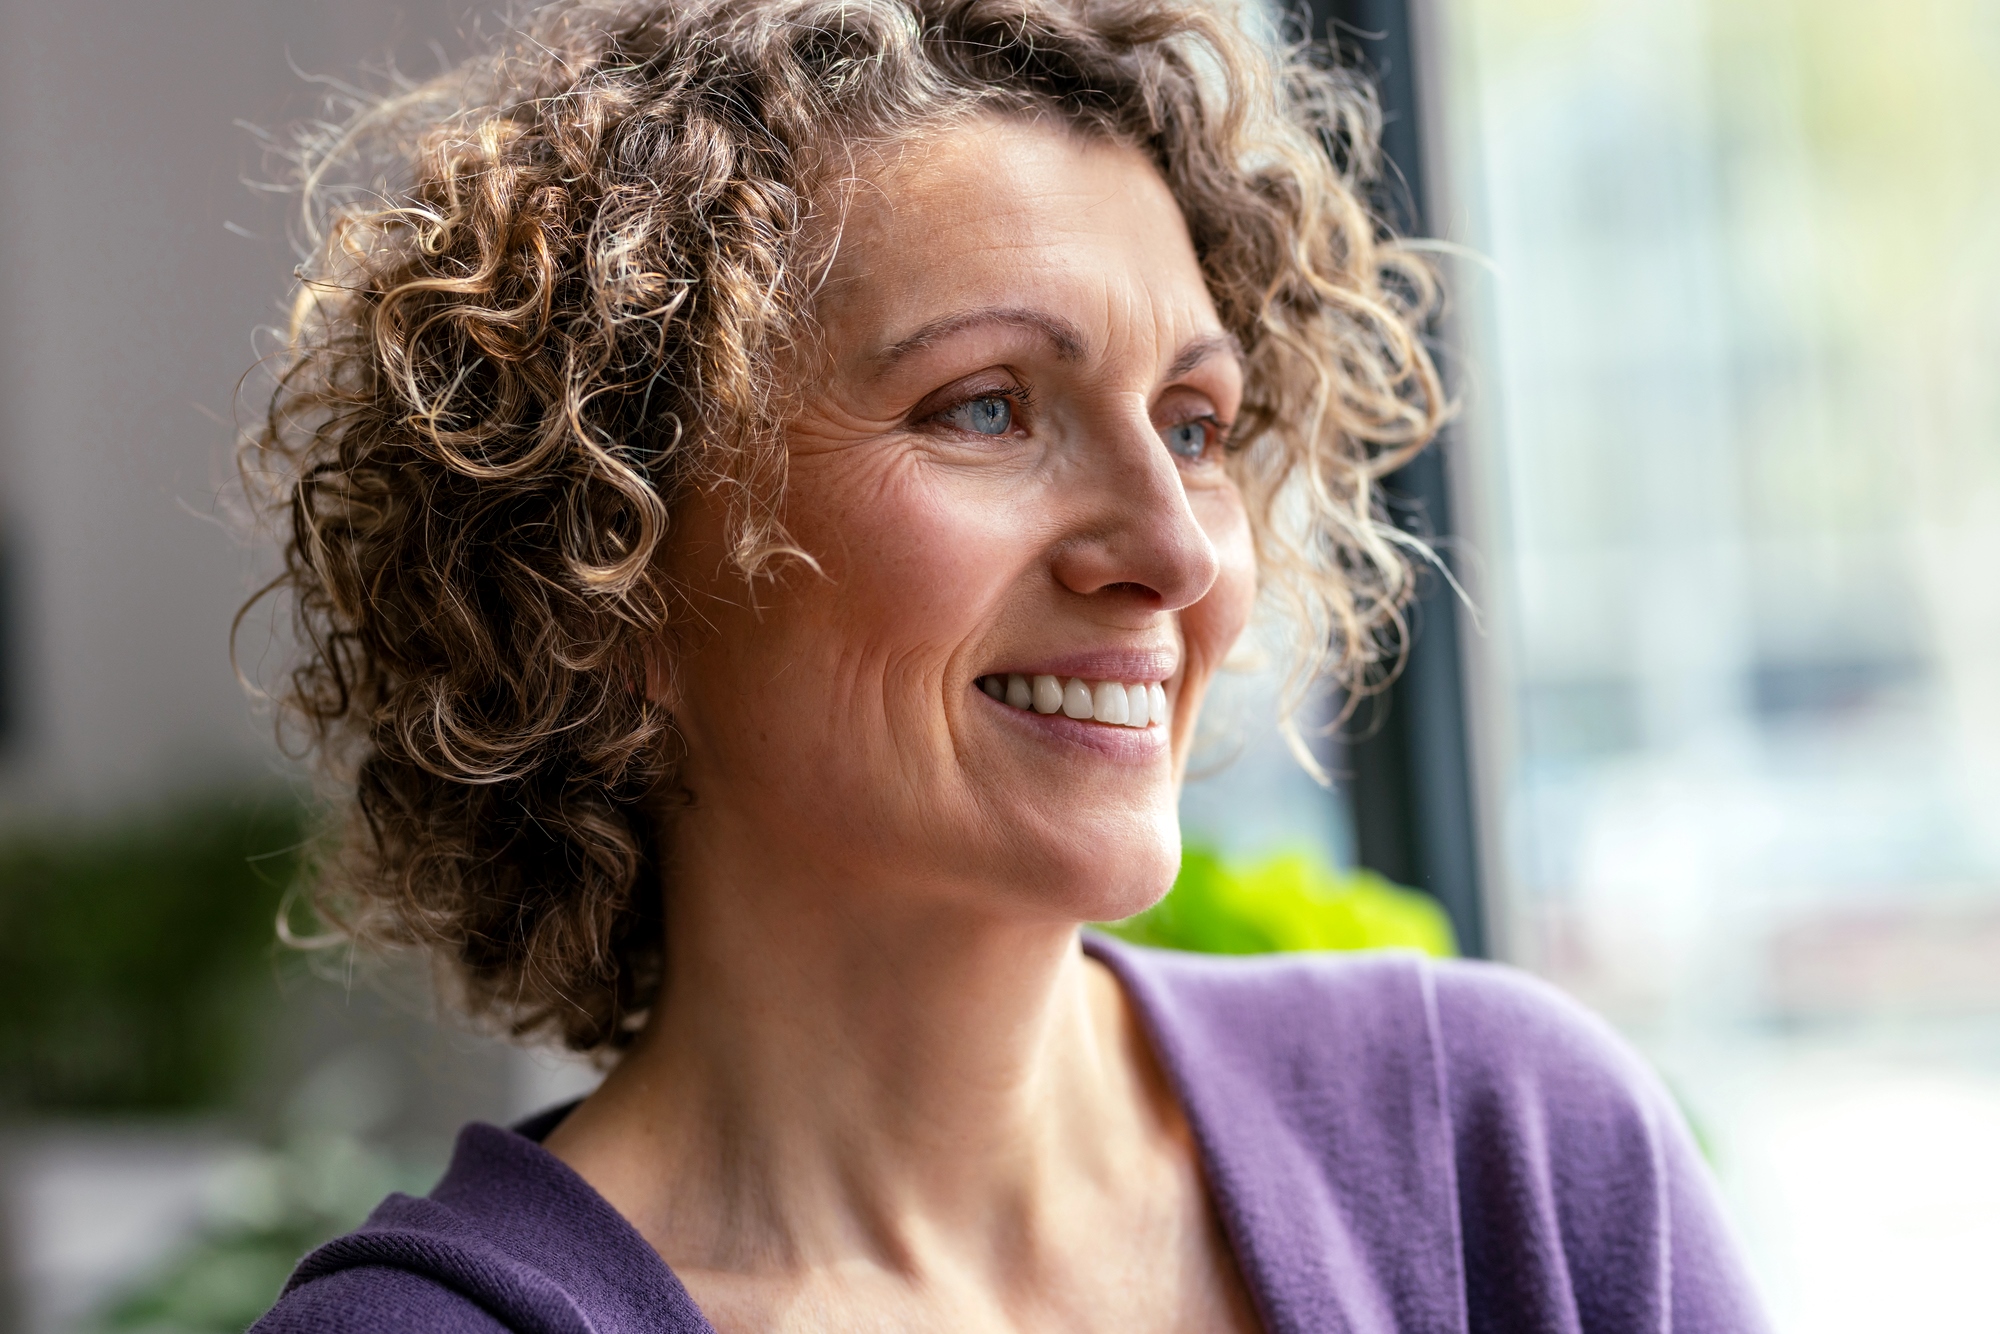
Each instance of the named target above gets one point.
<point>1314,1087</point>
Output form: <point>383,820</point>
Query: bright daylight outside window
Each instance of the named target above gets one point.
<point>1733,462</point>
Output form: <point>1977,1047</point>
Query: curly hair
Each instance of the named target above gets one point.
<point>547,304</point>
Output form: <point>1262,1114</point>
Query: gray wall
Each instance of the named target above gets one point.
<point>127,305</point>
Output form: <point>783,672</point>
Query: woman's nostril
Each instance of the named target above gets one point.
<point>1127,586</point>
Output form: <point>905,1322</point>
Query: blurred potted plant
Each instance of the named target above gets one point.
<point>131,955</point>
<point>1286,902</point>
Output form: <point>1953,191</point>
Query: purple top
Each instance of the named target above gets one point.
<point>1393,1144</point>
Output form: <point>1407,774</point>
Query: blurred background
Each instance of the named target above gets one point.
<point>1732,364</point>
<point>1718,747</point>
<point>183,1106</point>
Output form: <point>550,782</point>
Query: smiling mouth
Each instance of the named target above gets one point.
<point>1115,703</point>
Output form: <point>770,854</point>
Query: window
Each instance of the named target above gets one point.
<point>1733,457</point>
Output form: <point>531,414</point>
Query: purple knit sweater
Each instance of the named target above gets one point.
<point>1394,1145</point>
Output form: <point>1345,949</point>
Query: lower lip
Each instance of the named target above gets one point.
<point>1131,744</point>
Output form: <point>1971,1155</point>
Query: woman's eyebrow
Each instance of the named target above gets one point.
<point>1198,350</point>
<point>1063,336</point>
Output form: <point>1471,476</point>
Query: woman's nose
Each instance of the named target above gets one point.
<point>1134,532</point>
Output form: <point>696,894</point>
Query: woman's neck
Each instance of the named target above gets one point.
<point>845,1072</point>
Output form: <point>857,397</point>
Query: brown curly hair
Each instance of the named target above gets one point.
<point>548,302</point>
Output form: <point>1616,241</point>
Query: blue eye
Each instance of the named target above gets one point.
<point>1188,439</point>
<point>991,415</point>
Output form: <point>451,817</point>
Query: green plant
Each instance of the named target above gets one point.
<point>1287,902</point>
<point>132,954</point>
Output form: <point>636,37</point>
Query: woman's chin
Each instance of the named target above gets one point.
<point>1104,880</point>
<point>1135,899</point>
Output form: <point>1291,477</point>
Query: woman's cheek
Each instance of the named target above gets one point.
<point>912,554</point>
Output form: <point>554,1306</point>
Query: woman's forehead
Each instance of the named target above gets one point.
<point>1032,221</point>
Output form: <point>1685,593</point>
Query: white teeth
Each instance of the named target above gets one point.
<point>1048,694</point>
<point>1019,693</point>
<point>1117,703</point>
<point>1135,706</point>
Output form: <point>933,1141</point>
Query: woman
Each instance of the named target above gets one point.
<point>772,481</point>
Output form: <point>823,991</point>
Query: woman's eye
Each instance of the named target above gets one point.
<point>1188,439</point>
<point>991,415</point>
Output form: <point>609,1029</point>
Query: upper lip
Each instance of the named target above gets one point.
<point>1107,664</point>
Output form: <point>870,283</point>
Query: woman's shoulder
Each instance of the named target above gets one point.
<point>1499,1055</point>
<point>1462,1131</point>
<point>510,1239</point>
<point>373,1299</point>
<point>422,1264</point>
<point>1508,1039</point>
<point>1480,1027</point>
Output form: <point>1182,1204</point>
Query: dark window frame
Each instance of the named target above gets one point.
<point>1406,759</point>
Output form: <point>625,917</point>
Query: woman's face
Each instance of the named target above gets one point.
<point>1008,463</point>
